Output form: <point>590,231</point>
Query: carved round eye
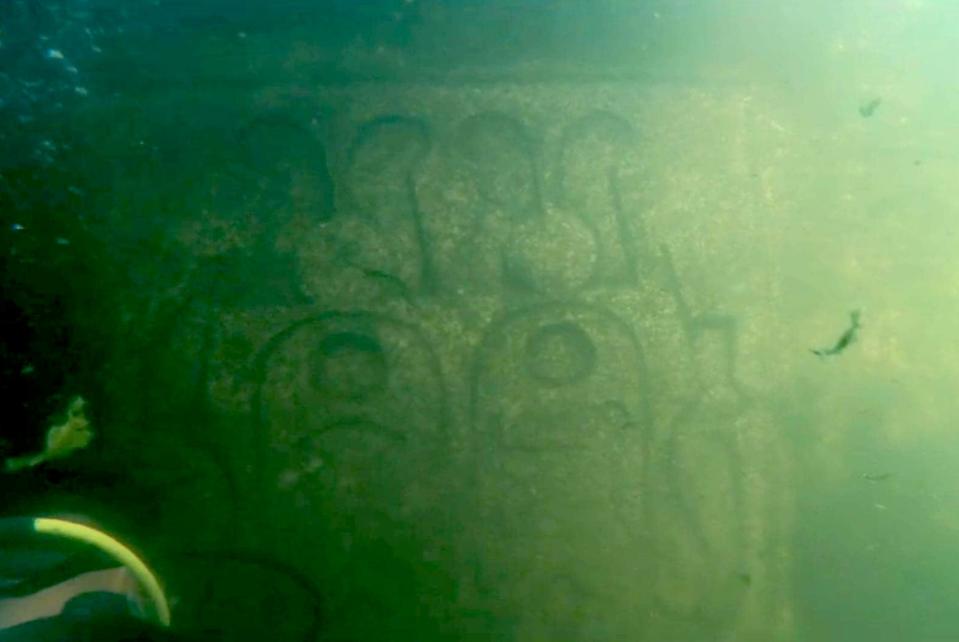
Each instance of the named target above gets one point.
<point>349,365</point>
<point>560,354</point>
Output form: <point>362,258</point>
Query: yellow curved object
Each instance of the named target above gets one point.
<point>145,578</point>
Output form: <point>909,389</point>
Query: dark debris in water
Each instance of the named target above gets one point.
<point>869,107</point>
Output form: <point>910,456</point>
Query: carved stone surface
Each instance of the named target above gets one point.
<point>467,341</point>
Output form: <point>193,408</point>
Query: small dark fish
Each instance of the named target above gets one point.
<point>848,338</point>
<point>868,109</point>
<point>876,478</point>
